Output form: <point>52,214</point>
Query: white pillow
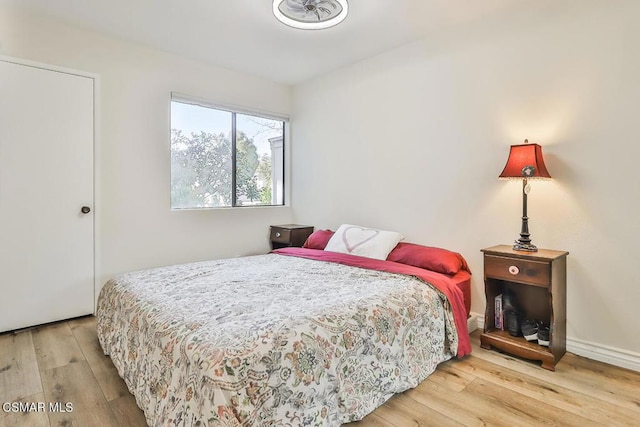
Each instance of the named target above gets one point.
<point>362,241</point>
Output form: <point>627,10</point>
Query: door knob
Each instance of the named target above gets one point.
<point>85,209</point>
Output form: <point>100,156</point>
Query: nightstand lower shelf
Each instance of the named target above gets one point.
<point>518,346</point>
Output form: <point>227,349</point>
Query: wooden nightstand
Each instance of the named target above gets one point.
<point>289,235</point>
<point>538,282</point>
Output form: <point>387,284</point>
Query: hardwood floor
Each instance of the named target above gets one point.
<point>63,362</point>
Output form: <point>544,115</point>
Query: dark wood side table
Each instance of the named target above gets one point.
<point>289,235</point>
<point>537,280</point>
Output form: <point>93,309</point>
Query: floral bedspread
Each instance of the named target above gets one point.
<point>270,340</point>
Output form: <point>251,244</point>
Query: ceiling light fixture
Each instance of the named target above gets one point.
<point>310,14</point>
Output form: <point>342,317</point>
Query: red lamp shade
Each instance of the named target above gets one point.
<point>525,161</point>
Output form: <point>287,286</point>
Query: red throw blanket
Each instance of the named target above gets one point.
<point>440,281</point>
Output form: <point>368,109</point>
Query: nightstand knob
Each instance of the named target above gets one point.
<point>514,270</point>
<point>278,234</point>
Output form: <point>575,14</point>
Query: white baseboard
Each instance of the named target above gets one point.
<point>478,321</point>
<point>600,352</point>
<point>472,322</point>
<point>604,353</point>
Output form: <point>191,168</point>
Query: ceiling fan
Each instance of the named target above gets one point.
<point>310,14</point>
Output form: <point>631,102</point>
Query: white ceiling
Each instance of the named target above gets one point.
<point>244,35</point>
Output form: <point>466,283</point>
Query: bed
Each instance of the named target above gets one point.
<point>295,337</point>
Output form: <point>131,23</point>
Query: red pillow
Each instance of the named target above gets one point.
<point>434,259</point>
<point>318,239</point>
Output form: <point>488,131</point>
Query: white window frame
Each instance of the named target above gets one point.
<point>232,108</point>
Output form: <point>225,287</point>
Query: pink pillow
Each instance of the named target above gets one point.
<point>434,259</point>
<point>318,239</point>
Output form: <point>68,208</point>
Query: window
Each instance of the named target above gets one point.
<point>224,158</point>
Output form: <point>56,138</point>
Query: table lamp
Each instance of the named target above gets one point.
<point>525,162</point>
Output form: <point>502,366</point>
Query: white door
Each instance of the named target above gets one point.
<point>46,178</point>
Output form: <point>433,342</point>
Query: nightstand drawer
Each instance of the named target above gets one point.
<point>517,270</point>
<point>280,235</point>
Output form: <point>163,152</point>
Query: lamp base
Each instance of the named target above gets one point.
<point>528,247</point>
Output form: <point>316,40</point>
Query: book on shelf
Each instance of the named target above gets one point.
<point>499,318</point>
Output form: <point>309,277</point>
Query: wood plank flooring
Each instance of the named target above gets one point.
<point>63,362</point>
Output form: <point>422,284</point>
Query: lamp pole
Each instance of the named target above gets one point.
<point>524,242</point>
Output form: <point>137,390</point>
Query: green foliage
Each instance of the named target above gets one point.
<point>201,170</point>
<point>264,175</point>
<point>246,164</point>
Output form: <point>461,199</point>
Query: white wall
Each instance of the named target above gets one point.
<point>413,140</point>
<point>135,227</point>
